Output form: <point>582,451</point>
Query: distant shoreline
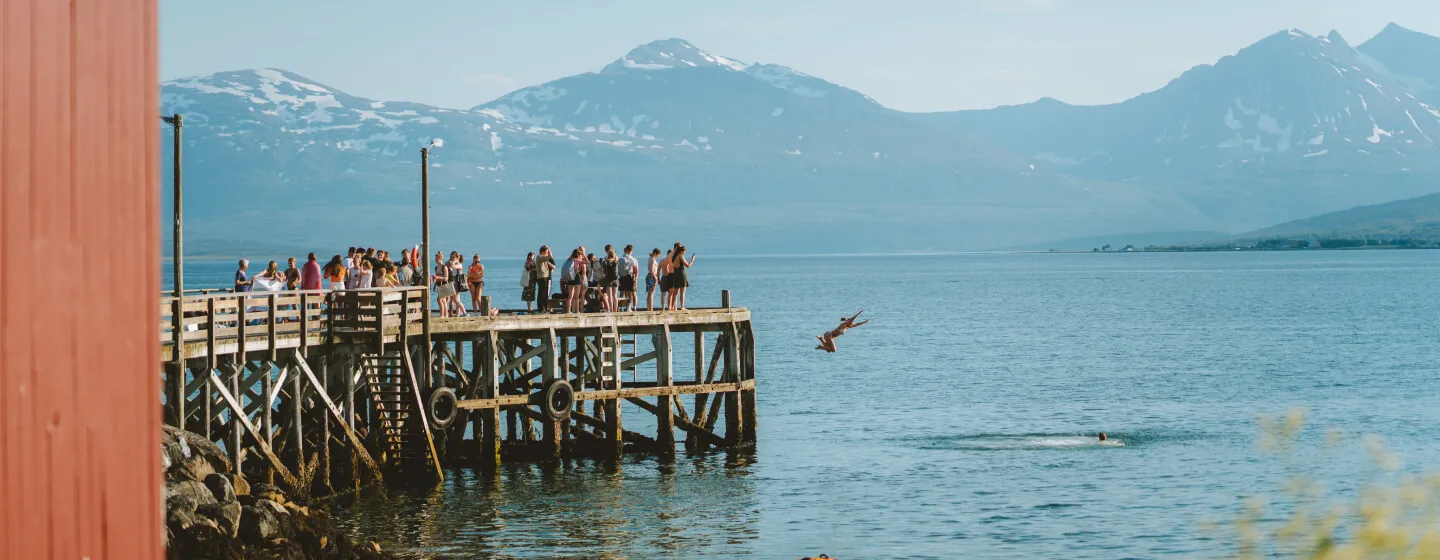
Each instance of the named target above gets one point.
<point>1231,249</point>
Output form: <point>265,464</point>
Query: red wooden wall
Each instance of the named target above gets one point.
<point>79,279</point>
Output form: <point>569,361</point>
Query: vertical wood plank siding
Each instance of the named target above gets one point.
<point>79,269</point>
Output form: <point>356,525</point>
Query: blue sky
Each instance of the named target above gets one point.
<point>908,54</point>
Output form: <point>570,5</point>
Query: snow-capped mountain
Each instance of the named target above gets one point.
<point>668,139</point>
<point>1294,122</point>
<point>671,140</point>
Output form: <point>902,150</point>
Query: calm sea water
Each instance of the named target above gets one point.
<point>958,423</point>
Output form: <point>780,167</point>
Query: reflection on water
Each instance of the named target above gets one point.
<point>693,506</point>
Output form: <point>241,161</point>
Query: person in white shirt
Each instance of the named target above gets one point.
<point>629,270</point>
<point>652,275</point>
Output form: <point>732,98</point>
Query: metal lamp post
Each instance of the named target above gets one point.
<point>424,260</point>
<point>177,321</point>
<point>178,258</point>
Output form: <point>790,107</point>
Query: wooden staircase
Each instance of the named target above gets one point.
<point>399,425</point>
<point>611,354</point>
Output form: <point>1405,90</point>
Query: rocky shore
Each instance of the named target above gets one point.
<point>211,511</point>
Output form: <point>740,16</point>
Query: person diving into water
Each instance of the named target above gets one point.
<point>827,340</point>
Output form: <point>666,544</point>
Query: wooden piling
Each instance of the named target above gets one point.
<point>550,366</point>
<point>664,377</point>
<point>486,371</point>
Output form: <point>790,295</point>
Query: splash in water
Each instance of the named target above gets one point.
<point>1005,442</point>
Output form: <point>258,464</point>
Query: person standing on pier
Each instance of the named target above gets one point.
<point>665,265</point>
<point>610,281</point>
<point>579,273</point>
<point>405,271</point>
<point>629,271</point>
<point>680,280</point>
<point>444,290</point>
<point>652,276</point>
<point>544,266</point>
<point>310,273</point>
<point>527,282</point>
<point>349,258</point>
<point>242,280</point>
<point>336,271</point>
<point>457,278</point>
<point>476,277</point>
<point>292,275</point>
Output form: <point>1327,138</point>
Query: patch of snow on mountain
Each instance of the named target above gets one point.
<point>583,103</point>
<point>495,142</point>
<point>1417,126</point>
<point>793,152</point>
<point>1363,104</point>
<point>363,144</point>
<point>1319,153</point>
<point>426,120</point>
<point>1316,141</point>
<point>1231,122</point>
<point>1241,106</point>
<point>1269,125</point>
<point>1375,85</point>
<point>1376,133</point>
<point>516,115</point>
<point>685,143</point>
<point>239,90</point>
<point>372,115</point>
<point>626,62</point>
<point>777,112</point>
<point>703,140</point>
<point>785,78</point>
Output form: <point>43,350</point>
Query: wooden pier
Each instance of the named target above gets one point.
<point>333,388</point>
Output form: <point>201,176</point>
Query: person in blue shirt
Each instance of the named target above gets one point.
<point>243,281</point>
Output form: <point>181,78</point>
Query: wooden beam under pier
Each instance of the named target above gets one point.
<point>606,394</point>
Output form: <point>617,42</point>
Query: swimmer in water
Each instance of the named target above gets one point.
<point>1102,436</point>
<point>827,340</point>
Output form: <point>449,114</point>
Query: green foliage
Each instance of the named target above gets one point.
<point>1398,520</point>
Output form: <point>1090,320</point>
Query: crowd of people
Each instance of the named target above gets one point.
<point>587,282</point>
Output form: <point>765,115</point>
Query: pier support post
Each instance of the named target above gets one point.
<point>297,418</point>
<point>487,375</point>
<point>550,365</point>
<point>734,424</point>
<point>747,397</point>
<point>326,465</point>
<point>665,377</point>
<point>267,405</point>
<point>614,429</point>
<point>691,440</point>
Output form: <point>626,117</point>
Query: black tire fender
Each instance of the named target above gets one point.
<point>442,407</point>
<point>558,399</point>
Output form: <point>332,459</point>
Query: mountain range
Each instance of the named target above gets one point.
<point>670,141</point>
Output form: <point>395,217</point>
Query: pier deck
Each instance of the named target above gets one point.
<point>357,383</point>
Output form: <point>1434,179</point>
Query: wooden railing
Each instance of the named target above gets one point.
<point>224,316</point>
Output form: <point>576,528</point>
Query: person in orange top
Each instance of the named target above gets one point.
<point>476,277</point>
<point>335,272</point>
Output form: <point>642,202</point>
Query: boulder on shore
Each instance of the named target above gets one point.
<point>212,512</point>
